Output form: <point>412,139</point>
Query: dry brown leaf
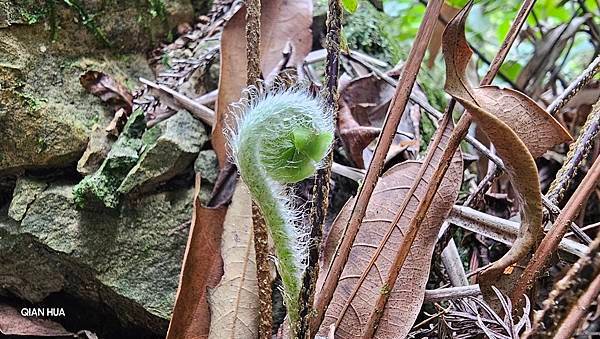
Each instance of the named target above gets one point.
<point>363,103</point>
<point>355,137</point>
<point>282,21</point>
<point>201,269</point>
<point>538,130</point>
<point>107,89</point>
<point>447,12</point>
<point>366,271</point>
<point>234,303</point>
<point>496,111</point>
<point>12,323</point>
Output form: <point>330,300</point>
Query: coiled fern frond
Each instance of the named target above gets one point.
<point>279,138</point>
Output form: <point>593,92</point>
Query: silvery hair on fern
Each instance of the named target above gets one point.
<point>280,137</point>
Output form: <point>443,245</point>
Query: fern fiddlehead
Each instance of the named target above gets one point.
<point>281,137</point>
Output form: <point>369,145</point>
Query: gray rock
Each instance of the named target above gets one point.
<point>207,166</point>
<point>44,277</point>
<point>97,149</point>
<point>45,113</point>
<point>26,191</point>
<point>171,147</point>
<point>135,251</point>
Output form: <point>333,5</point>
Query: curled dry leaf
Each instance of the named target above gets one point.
<point>538,130</point>
<point>518,127</point>
<point>282,22</point>
<point>363,104</point>
<point>107,89</point>
<point>376,244</point>
<point>234,301</point>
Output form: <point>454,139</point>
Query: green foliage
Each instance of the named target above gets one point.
<point>366,30</point>
<point>488,25</point>
<point>350,5</point>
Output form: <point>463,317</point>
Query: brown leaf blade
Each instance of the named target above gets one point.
<point>375,247</point>
<point>234,302</point>
<point>538,130</point>
<point>201,268</point>
<point>281,22</point>
<point>107,89</point>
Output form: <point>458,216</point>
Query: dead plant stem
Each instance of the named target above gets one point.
<point>261,236</point>
<point>549,244</point>
<point>397,106</point>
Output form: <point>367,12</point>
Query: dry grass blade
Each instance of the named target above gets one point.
<point>409,74</point>
<point>376,245</point>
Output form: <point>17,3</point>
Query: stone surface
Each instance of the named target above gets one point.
<point>46,278</point>
<point>96,151</point>
<point>207,166</point>
<point>170,147</point>
<point>101,187</point>
<point>136,250</point>
<point>26,191</point>
<point>45,114</point>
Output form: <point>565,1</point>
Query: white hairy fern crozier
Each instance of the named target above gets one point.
<point>281,137</point>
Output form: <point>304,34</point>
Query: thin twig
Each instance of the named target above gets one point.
<point>395,112</point>
<point>576,86</point>
<point>452,293</point>
<point>549,244</point>
<point>202,112</point>
<point>320,196</point>
<point>564,299</point>
<point>578,151</point>
<point>573,319</point>
<point>261,236</point>
<point>501,230</point>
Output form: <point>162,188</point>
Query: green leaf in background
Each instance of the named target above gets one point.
<point>511,69</point>
<point>457,3</point>
<point>350,5</point>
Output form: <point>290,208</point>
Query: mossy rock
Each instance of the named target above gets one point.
<point>170,148</point>
<point>79,26</point>
<point>44,277</point>
<point>135,250</point>
<point>45,112</point>
<point>102,186</point>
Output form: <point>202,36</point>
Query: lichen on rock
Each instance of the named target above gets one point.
<point>102,186</point>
